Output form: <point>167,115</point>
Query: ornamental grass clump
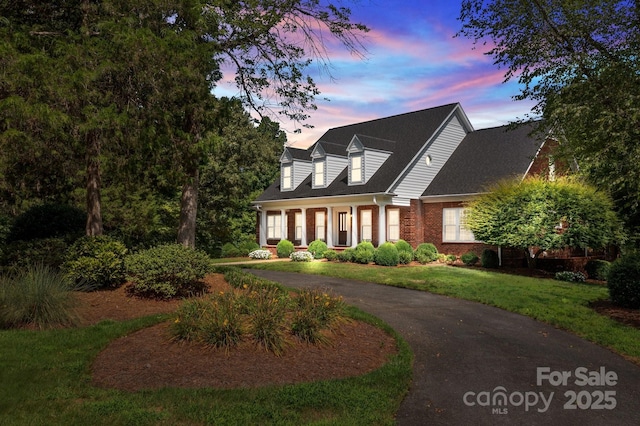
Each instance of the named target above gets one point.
<point>317,311</point>
<point>266,317</point>
<point>37,296</point>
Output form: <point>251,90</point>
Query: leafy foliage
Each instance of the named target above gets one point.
<point>331,255</point>
<point>347,255</point>
<point>597,269</point>
<point>364,252</point>
<point>317,248</point>
<point>469,258</point>
<point>48,221</point>
<point>284,248</point>
<point>578,61</point>
<point>489,259</point>
<point>48,252</point>
<point>570,276</point>
<point>167,271</point>
<point>386,255</point>
<point>537,215</point>
<point>96,262</point>
<point>623,281</point>
<point>426,252</point>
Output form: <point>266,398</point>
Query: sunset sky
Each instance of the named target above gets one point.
<point>413,62</point>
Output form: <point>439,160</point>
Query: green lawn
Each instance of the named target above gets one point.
<point>562,304</point>
<point>46,380</point>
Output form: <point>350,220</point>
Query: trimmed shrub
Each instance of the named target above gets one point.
<point>570,276</point>
<point>489,259</point>
<point>386,255</point>
<point>49,221</point>
<point>246,247</point>
<point>469,258</point>
<point>37,295</point>
<point>623,281</point>
<point>167,271</point>
<point>426,252</point>
<point>48,252</point>
<point>597,269</point>
<point>95,262</point>
<point>230,250</point>
<point>301,256</point>
<point>331,255</point>
<point>402,245</point>
<point>364,253</point>
<point>346,255</point>
<point>405,257</point>
<point>317,249</point>
<point>284,248</point>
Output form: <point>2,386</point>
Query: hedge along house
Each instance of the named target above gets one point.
<point>402,177</point>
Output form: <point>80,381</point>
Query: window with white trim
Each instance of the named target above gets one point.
<point>393,224</point>
<point>320,227</point>
<point>287,181</point>
<point>274,226</point>
<point>318,173</point>
<point>366,225</point>
<point>298,225</point>
<point>355,166</point>
<point>454,226</point>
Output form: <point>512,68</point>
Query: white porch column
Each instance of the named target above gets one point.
<point>283,224</point>
<point>263,228</point>
<point>382,224</point>
<point>354,226</point>
<point>303,240</point>
<point>329,231</point>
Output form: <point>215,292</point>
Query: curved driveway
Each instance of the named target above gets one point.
<point>475,364</point>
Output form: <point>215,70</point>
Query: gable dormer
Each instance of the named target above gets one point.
<point>328,161</point>
<point>295,166</point>
<point>366,155</point>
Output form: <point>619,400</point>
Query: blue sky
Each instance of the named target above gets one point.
<point>413,62</point>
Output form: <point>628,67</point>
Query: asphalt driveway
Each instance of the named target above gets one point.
<point>479,365</point>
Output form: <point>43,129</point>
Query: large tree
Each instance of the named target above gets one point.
<point>579,61</point>
<point>138,76</point>
<point>535,215</point>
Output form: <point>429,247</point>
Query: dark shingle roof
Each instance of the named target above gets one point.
<point>410,131</point>
<point>485,157</point>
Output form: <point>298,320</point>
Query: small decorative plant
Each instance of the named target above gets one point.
<point>260,254</point>
<point>301,256</point>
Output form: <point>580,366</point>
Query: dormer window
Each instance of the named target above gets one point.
<point>287,177</point>
<point>356,174</point>
<point>319,173</point>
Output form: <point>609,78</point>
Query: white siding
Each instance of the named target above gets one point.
<point>419,175</point>
<point>372,162</point>
<point>301,170</point>
<point>335,166</point>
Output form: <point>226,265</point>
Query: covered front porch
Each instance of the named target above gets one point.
<point>339,223</point>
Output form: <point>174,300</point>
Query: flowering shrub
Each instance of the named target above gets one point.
<point>260,254</point>
<point>301,256</point>
<point>317,310</point>
<point>574,277</point>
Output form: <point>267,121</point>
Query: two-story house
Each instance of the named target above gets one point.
<point>401,177</point>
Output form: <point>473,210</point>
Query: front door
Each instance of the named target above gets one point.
<point>343,228</point>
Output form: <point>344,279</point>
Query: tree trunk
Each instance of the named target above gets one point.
<point>94,209</point>
<point>188,211</point>
<point>532,258</point>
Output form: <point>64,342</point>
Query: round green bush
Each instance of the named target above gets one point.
<point>346,255</point>
<point>48,252</point>
<point>623,281</point>
<point>489,259</point>
<point>402,245</point>
<point>469,258</point>
<point>426,252</point>
<point>405,257</point>
<point>317,248</point>
<point>284,248</point>
<point>246,247</point>
<point>364,253</point>
<point>331,255</point>
<point>230,250</point>
<point>167,271</point>
<point>386,255</point>
<point>597,269</point>
<point>49,221</point>
<point>96,262</point>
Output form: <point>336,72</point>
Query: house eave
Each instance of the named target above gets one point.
<point>449,197</point>
<point>331,200</point>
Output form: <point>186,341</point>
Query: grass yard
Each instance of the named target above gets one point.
<point>562,304</point>
<point>46,379</point>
